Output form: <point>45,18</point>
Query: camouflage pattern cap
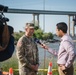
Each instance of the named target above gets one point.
<point>29,25</point>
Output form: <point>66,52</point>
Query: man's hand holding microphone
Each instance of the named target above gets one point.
<point>41,44</point>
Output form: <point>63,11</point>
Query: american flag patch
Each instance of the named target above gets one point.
<point>19,43</point>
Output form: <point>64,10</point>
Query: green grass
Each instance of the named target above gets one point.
<point>10,63</point>
<point>13,63</point>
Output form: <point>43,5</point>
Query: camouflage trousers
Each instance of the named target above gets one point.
<point>26,71</point>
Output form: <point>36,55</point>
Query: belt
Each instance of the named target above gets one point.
<point>60,65</point>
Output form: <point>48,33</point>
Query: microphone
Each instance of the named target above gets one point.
<point>3,8</point>
<point>37,40</point>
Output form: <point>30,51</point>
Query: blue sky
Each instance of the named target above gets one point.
<point>18,20</point>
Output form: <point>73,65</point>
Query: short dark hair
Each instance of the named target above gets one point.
<point>62,26</point>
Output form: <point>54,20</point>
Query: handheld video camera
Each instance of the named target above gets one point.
<point>6,37</point>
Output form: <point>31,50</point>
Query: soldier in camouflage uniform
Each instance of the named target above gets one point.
<point>27,52</point>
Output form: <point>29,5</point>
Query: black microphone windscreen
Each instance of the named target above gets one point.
<point>37,40</point>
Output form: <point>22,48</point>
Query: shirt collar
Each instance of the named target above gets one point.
<point>64,37</point>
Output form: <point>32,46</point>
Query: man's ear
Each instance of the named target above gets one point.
<point>61,31</point>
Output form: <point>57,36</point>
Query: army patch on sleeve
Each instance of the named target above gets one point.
<point>19,43</point>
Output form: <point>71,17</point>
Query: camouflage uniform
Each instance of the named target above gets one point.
<point>27,53</point>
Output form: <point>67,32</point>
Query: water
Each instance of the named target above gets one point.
<point>45,57</point>
<point>50,45</point>
<point>53,46</point>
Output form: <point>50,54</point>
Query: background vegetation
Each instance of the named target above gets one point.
<point>38,34</point>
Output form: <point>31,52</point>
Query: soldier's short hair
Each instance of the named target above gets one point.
<point>29,25</point>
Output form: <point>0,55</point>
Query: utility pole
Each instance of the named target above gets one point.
<point>44,16</point>
<point>44,31</point>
